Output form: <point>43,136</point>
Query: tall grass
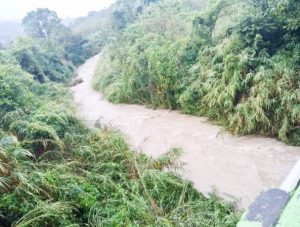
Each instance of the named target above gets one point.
<point>98,181</point>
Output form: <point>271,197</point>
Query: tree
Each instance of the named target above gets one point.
<point>128,10</point>
<point>41,23</point>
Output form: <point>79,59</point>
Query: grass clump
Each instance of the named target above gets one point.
<point>98,181</point>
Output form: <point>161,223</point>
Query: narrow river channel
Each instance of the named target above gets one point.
<point>237,167</point>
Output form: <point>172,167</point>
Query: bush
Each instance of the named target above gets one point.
<point>149,60</point>
<point>15,93</point>
<point>42,59</point>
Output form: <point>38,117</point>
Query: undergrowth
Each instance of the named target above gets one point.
<point>98,181</point>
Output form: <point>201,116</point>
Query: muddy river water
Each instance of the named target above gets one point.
<point>238,167</point>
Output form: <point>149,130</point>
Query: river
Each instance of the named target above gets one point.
<point>238,167</point>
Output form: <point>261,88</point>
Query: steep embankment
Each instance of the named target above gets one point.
<point>236,62</point>
<point>239,167</point>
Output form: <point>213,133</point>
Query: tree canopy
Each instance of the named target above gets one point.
<point>41,23</point>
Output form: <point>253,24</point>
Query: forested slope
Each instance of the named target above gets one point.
<point>236,62</point>
<point>54,171</point>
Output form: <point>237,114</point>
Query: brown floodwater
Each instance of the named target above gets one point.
<point>238,167</point>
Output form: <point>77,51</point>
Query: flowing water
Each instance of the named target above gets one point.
<point>238,167</point>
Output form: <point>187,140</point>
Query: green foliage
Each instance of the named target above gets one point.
<point>53,49</point>
<point>150,58</point>
<point>36,136</point>
<point>94,22</point>
<point>54,171</point>
<point>127,11</point>
<point>41,23</point>
<point>77,48</point>
<point>99,181</point>
<point>101,27</point>
<point>53,214</point>
<point>41,59</point>
<point>14,84</point>
<point>238,65</point>
<point>240,81</point>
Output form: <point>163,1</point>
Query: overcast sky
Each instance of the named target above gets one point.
<point>17,9</point>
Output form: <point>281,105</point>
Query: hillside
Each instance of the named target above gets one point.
<point>97,21</point>
<point>236,63</point>
<point>94,22</point>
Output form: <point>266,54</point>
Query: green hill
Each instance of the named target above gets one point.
<point>94,22</point>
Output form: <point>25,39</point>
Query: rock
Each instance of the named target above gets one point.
<point>75,82</point>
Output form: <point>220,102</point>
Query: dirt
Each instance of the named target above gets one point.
<point>238,167</point>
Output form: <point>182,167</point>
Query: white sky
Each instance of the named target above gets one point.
<point>17,9</point>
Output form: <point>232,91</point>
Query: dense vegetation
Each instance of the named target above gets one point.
<point>54,171</point>
<point>51,51</point>
<point>237,62</point>
<point>103,26</point>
